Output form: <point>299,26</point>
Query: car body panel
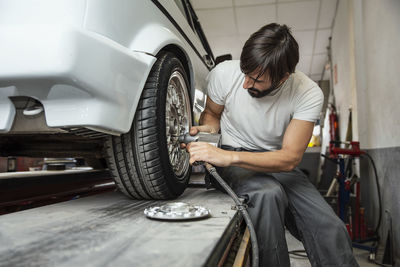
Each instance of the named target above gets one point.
<point>149,31</point>
<point>87,61</point>
<point>80,77</point>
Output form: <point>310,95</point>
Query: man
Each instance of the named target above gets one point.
<point>266,111</point>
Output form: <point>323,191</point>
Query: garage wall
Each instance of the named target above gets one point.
<point>365,42</point>
<point>343,64</point>
<point>381,20</point>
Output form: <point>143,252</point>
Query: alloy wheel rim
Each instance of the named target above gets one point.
<point>178,120</point>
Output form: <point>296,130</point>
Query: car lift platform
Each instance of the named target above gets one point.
<point>110,229</point>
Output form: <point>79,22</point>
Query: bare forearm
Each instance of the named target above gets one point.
<point>274,161</point>
<point>295,140</point>
<point>294,144</point>
<point>209,121</point>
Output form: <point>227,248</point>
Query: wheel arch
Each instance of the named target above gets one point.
<point>185,60</point>
<point>154,38</point>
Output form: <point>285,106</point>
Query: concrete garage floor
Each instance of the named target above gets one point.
<point>293,243</point>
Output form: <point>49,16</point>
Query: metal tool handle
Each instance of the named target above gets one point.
<point>187,138</point>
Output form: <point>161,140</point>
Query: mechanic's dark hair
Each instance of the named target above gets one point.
<point>271,49</point>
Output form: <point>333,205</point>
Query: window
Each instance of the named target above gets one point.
<point>198,29</point>
<point>182,6</point>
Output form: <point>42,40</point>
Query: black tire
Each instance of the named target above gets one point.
<point>140,160</point>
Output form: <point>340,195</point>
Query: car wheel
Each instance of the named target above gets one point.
<point>147,162</point>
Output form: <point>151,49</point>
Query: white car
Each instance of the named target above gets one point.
<point>104,79</point>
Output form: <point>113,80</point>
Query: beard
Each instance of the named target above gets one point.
<point>253,92</point>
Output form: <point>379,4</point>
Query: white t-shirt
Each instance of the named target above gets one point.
<point>260,123</point>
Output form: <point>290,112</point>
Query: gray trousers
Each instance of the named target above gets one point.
<point>288,198</point>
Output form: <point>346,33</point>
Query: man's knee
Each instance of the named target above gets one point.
<point>269,194</point>
<point>274,192</point>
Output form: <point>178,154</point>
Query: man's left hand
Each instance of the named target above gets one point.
<point>201,151</point>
